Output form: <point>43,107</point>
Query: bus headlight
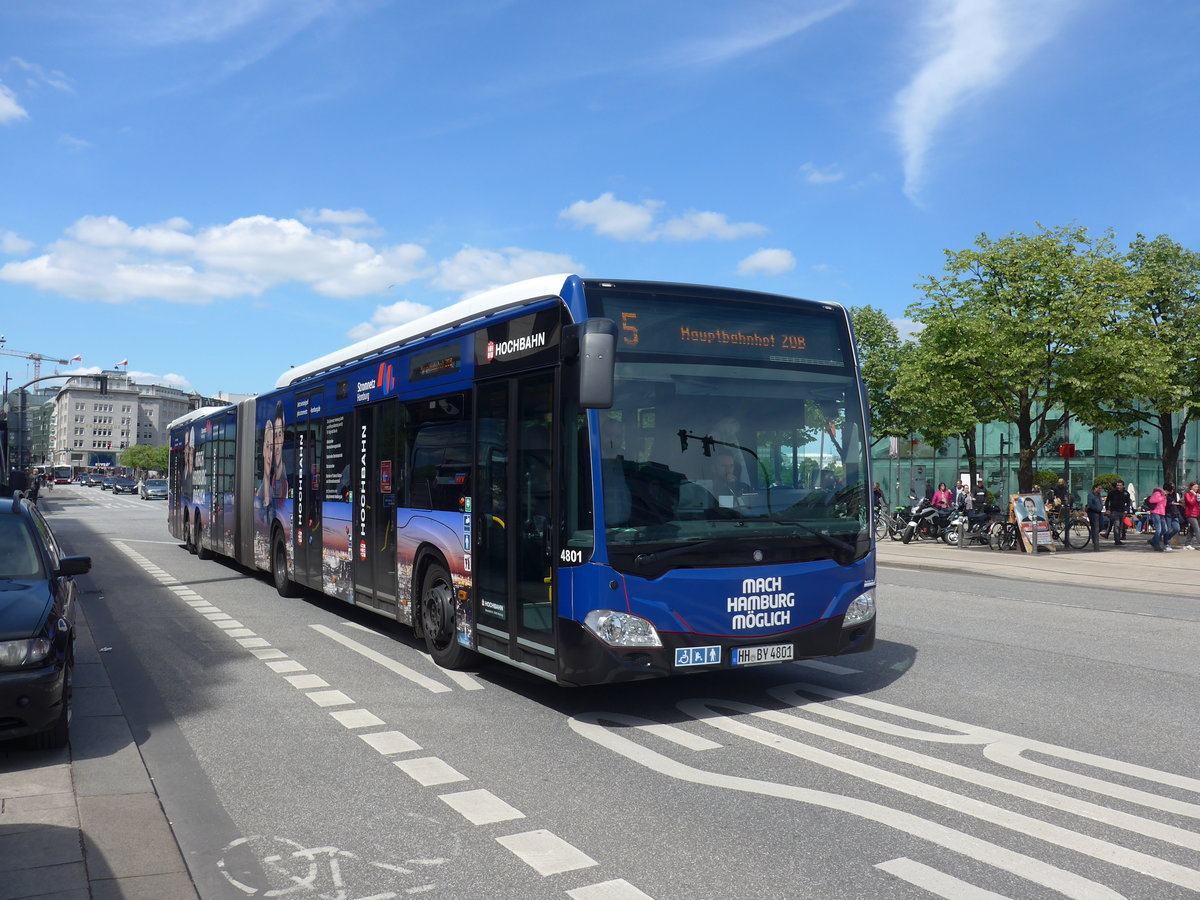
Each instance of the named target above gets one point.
<point>862,609</point>
<point>621,629</point>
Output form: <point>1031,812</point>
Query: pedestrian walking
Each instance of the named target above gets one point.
<point>1095,513</point>
<point>1191,513</point>
<point>1175,510</point>
<point>1118,505</point>
<point>1159,520</point>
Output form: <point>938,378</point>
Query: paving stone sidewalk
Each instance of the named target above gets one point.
<point>85,822</point>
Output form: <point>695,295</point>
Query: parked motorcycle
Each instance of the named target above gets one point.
<point>975,525</point>
<point>921,520</point>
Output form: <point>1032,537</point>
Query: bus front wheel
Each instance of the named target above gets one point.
<point>437,619</point>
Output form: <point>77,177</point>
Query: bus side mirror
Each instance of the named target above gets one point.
<point>597,346</point>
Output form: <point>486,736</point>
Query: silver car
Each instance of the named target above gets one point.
<point>153,489</point>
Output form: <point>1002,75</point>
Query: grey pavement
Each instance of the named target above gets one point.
<point>85,822</point>
<point>1134,565</point>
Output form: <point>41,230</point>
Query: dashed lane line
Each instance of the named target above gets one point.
<point>542,850</point>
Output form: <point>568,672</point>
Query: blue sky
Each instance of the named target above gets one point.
<point>218,190</point>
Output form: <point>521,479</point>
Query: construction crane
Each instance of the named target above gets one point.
<point>36,357</point>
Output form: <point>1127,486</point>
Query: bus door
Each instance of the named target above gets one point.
<point>219,453</point>
<point>309,489</point>
<point>375,446</point>
<point>513,516</point>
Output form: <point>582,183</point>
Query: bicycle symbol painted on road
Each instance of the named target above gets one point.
<point>327,873</point>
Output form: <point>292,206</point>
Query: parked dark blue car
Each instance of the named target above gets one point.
<point>37,627</point>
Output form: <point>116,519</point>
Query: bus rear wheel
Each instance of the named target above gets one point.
<point>437,619</point>
<point>189,542</point>
<point>279,569</point>
<point>201,551</point>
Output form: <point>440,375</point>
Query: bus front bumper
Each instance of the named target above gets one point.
<point>584,659</point>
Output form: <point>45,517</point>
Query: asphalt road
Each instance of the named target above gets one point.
<point>1024,739</point>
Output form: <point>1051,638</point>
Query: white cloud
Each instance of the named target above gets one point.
<point>335,217</point>
<point>10,109</point>
<point>813,175</point>
<point>767,262</point>
<point>615,218</point>
<point>13,244</point>
<point>908,329</point>
<point>386,317</point>
<point>73,143</point>
<point>626,221</point>
<point>103,258</point>
<point>474,269</point>
<point>745,34</point>
<point>37,75</point>
<point>967,48</point>
<point>699,226</point>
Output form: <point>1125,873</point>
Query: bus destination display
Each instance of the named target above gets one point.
<point>752,333</point>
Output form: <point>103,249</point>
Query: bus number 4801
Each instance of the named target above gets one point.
<point>571,556</point>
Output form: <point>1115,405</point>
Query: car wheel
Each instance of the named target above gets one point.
<point>437,619</point>
<point>57,735</point>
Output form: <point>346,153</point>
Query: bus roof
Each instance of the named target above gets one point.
<point>474,307</point>
<point>200,413</point>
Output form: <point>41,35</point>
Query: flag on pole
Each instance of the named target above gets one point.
<point>123,362</point>
<point>75,359</point>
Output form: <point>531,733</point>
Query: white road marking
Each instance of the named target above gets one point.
<point>1007,748</point>
<point>251,643</point>
<point>545,852</point>
<point>1049,876</point>
<point>481,807</point>
<point>306,682</point>
<point>196,604</point>
<point>217,616</point>
<point>939,883</point>
<point>680,737</point>
<point>228,624</point>
<point>462,679</point>
<point>388,663</point>
<point>1056,835</point>
<point>269,653</point>
<point>285,665</point>
<point>386,742</point>
<point>1146,827</point>
<point>430,770</point>
<point>329,698</point>
<point>617,889</point>
<point>357,718</point>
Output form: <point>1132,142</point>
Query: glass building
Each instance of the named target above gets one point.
<point>906,466</point>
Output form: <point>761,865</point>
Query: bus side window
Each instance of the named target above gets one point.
<point>440,474</point>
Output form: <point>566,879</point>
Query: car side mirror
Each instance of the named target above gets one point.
<point>74,565</point>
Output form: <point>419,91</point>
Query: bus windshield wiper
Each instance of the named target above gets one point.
<point>647,559</point>
<point>836,543</point>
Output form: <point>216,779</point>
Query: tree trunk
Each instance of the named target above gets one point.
<point>1172,443</point>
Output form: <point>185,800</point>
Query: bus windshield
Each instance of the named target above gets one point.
<point>726,447</point>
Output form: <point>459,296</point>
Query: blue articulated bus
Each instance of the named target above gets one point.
<point>594,481</point>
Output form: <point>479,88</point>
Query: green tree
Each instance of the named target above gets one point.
<point>1030,328</point>
<point>145,458</point>
<point>881,358</point>
<point>1167,310</point>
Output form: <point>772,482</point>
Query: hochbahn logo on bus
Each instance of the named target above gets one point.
<point>763,603</point>
<point>500,349</point>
